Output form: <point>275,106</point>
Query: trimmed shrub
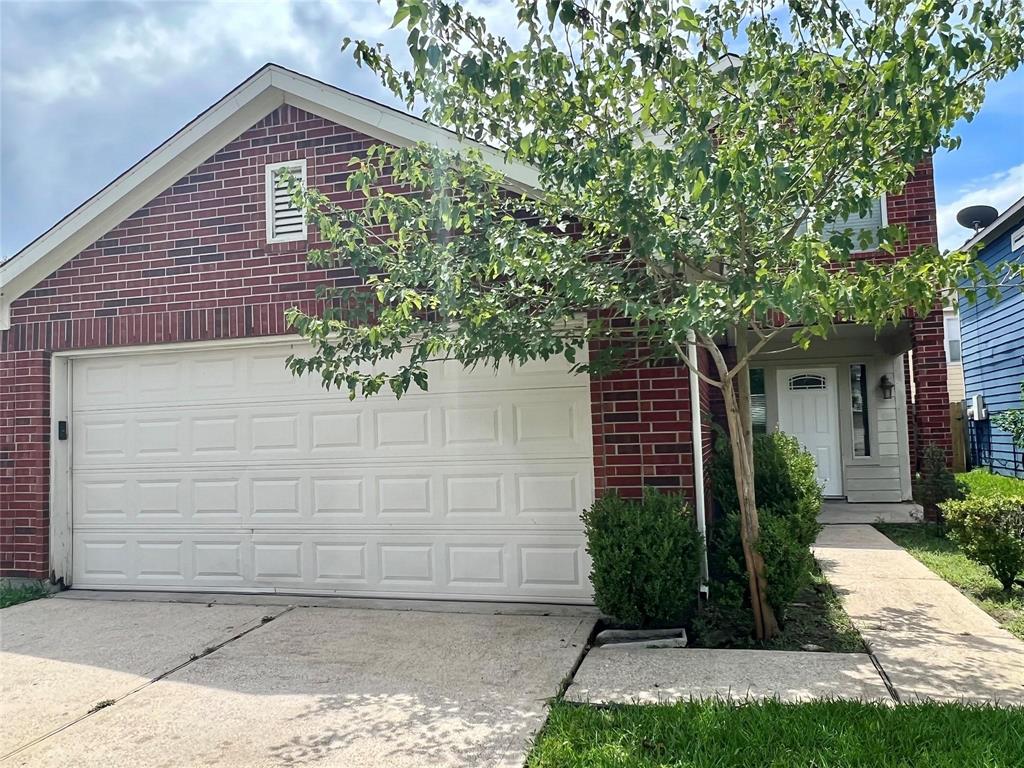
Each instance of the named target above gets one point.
<point>646,558</point>
<point>981,482</point>
<point>788,503</point>
<point>990,531</point>
<point>935,483</point>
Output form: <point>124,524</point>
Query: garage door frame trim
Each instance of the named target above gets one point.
<point>62,369</point>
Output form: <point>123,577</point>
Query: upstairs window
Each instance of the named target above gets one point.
<point>285,222</point>
<point>872,222</point>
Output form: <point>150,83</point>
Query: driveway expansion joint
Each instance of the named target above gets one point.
<point>106,703</point>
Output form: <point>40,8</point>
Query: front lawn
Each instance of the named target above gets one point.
<point>823,734</point>
<point>12,595</point>
<point>944,557</point>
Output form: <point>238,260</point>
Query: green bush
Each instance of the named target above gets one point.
<point>788,502</point>
<point>990,531</point>
<point>935,484</point>
<point>981,482</point>
<point>646,558</point>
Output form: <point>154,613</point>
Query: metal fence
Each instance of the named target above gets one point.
<point>1007,460</point>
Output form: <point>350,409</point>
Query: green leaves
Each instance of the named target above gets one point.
<point>678,190</point>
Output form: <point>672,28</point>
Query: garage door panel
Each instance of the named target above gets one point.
<point>218,470</point>
<point>259,373</point>
<point>486,564</point>
<point>535,494</point>
<point>538,423</point>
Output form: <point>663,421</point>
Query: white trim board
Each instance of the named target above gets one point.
<point>269,88</point>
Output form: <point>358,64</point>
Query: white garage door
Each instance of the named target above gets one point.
<point>218,470</point>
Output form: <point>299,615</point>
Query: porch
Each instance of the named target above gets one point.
<point>846,513</point>
<point>845,400</point>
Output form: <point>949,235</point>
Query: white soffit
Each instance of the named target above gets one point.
<point>265,91</point>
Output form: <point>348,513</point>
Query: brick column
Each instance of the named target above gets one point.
<point>931,393</point>
<point>24,463</point>
<point>642,436</point>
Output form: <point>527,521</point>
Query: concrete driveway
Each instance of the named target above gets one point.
<point>125,683</point>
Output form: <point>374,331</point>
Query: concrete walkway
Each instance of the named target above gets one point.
<point>610,675</point>
<point>929,639</point>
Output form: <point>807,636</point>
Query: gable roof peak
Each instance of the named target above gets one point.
<point>269,87</point>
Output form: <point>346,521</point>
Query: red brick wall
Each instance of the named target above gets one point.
<point>929,417</point>
<point>24,471</point>
<point>928,414</point>
<point>642,437</point>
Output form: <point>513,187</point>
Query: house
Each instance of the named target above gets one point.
<point>151,438</point>
<point>992,339</point>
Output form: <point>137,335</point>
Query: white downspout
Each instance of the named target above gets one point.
<point>697,439</point>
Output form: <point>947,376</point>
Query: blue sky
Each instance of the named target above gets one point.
<point>88,88</point>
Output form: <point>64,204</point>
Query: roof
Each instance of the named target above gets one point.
<point>270,87</point>
<point>1007,219</point>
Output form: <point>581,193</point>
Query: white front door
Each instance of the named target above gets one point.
<point>809,410</point>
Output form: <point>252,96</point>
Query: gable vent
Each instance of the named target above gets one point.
<point>285,222</point>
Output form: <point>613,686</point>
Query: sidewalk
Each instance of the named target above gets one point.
<point>930,640</point>
<point>610,675</point>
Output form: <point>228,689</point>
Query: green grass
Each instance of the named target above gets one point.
<point>12,595</point>
<point>944,557</point>
<point>981,482</point>
<point>820,734</point>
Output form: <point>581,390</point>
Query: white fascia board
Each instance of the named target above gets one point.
<point>155,173</point>
<point>390,125</point>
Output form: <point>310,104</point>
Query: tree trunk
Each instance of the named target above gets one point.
<point>736,393</point>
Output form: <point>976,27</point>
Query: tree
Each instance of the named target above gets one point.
<point>680,190</point>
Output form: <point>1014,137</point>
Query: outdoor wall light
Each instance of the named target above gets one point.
<point>886,386</point>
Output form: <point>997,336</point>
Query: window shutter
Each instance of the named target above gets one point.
<point>285,222</point>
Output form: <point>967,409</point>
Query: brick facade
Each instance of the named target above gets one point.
<point>194,265</point>
<point>642,437</point>
<point>928,396</point>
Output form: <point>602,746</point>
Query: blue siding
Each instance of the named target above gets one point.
<point>992,339</point>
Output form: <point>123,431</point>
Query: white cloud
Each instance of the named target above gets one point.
<point>158,41</point>
<point>1000,190</point>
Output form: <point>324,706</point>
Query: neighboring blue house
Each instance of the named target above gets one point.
<point>992,342</point>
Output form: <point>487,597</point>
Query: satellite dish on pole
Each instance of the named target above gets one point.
<point>977,217</point>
